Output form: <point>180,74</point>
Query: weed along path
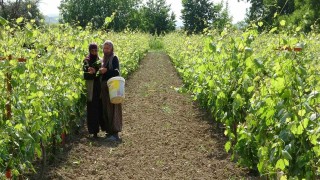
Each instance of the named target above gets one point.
<point>165,136</point>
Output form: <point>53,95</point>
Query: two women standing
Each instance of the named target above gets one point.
<point>101,113</point>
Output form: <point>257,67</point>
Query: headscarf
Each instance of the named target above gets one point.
<point>107,59</point>
<point>91,56</point>
<point>93,46</point>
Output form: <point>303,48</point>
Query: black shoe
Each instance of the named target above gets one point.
<point>108,135</point>
<point>95,136</point>
<point>114,138</point>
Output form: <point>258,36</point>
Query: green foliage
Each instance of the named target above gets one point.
<point>157,17</point>
<point>156,43</point>
<point>83,12</point>
<point>47,84</point>
<point>153,17</point>
<point>267,97</point>
<point>12,10</point>
<point>296,12</point>
<point>198,15</point>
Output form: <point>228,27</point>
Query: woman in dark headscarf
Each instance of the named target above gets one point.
<point>91,66</point>
<point>112,113</point>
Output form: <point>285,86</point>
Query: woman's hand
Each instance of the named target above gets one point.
<point>91,70</point>
<point>103,70</point>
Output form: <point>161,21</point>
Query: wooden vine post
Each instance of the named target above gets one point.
<point>8,84</point>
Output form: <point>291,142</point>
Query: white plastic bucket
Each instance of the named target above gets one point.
<point>116,89</point>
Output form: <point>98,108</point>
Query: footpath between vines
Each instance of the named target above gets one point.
<point>165,136</point>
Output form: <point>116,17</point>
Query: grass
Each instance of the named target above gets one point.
<point>156,43</point>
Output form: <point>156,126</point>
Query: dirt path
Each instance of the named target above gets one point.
<point>165,136</point>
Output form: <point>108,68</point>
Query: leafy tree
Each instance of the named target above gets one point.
<point>222,18</point>
<point>157,17</point>
<point>200,14</point>
<point>265,9</point>
<point>153,17</point>
<point>82,12</point>
<point>95,12</point>
<point>28,9</point>
<point>303,13</point>
<point>124,11</point>
<point>306,14</point>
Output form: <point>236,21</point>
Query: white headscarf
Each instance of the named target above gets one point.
<point>107,60</point>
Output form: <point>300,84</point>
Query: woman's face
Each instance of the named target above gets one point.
<point>94,52</point>
<point>107,49</point>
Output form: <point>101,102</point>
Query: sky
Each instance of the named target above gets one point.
<point>236,9</point>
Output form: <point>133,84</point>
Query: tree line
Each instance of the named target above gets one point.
<point>152,16</point>
<point>156,16</point>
